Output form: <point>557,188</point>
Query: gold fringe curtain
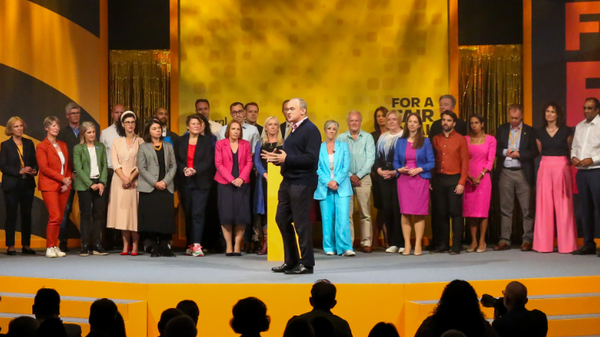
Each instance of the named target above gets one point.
<point>491,79</point>
<point>140,80</point>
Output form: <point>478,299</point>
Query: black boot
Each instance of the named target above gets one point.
<point>155,250</point>
<point>165,249</point>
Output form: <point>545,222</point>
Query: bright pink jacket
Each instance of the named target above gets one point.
<point>224,161</point>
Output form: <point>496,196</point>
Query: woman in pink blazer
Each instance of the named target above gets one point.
<point>233,159</point>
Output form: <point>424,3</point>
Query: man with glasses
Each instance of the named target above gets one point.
<point>70,135</point>
<point>250,132</point>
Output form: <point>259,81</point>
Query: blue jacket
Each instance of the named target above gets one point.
<point>425,158</point>
<point>259,199</point>
<point>341,170</point>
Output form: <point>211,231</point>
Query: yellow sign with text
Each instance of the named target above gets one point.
<point>337,55</point>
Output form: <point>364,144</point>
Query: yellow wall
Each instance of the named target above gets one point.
<point>338,56</point>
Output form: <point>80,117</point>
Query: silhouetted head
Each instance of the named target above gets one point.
<point>250,316</point>
<point>189,308</point>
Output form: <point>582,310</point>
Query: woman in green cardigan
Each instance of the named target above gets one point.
<point>89,161</point>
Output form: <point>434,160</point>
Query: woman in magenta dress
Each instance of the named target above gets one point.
<point>413,160</point>
<point>478,191</point>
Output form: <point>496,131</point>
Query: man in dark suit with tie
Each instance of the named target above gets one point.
<point>516,150</point>
<point>298,159</point>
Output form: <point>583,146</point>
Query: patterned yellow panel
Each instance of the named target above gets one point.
<point>338,56</point>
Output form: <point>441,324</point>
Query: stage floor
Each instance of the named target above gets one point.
<point>377,267</point>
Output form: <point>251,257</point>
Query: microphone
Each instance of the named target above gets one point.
<point>333,151</point>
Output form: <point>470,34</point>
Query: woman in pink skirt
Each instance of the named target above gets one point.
<point>554,185</point>
<point>413,160</point>
<point>478,191</point>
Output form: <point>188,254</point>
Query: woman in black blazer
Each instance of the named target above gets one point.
<point>195,153</point>
<point>19,167</point>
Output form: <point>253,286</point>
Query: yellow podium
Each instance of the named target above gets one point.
<point>275,252</point>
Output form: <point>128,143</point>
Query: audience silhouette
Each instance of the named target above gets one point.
<point>298,327</point>
<point>458,309</point>
<point>165,317</point>
<point>518,321</point>
<point>23,326</point>
<point>181,326</point>
<point>383,329</point>
<point>189,308</point>
<point>46,305</point>
<point>250,317</point>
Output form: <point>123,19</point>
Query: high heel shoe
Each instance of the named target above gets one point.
<point>481,248</point>
<point>128,252</point>
<point>471,249</point>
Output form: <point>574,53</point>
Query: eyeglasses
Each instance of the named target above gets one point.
<point>74,113</point>
<point>237,112</point>
<point>129,122</point>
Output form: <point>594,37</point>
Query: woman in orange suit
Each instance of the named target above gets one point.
<point>54,182</point>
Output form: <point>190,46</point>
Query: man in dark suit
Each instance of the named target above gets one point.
<point>70,135</point>
<point>518,321</point>
<point>252,116</point>
<point>298,159</point>
<point>285,126</point>
<point>516,150</point>
<point>323,300</point>
<point>447,103</point>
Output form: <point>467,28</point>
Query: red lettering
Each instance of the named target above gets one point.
<point>573,25</point>
<point>577,92</point>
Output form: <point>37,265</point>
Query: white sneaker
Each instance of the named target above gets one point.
<point>59,253</point>
<point>330,253</point>
<point>50,252</point>
<point>401,249</point>
<point>392,249</point>
<point>349,253</point>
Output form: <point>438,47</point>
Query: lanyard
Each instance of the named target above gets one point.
<point>21,155</point>
<point>513,140</point>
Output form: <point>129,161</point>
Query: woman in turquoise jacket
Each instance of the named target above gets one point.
<point>334,192</point>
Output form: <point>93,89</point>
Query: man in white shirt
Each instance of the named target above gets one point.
<point>203,107</point>
<point>249,132</point>
<point>107,136</point>
<point>585,156</point>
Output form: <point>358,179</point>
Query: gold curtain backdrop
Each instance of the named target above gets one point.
<point>491,79</point>
<point>140,80</point>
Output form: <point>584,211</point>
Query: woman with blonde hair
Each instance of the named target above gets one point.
<point>18,165</point>
<point>123,205</point>
<point>384,166</point>
<point>91,172</point>
<point>54,182</point>
<point>271,139</point>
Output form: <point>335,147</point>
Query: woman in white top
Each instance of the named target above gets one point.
<point>54,182</point>
<point>89,159</point>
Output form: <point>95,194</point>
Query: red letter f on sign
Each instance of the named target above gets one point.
<point>574,26</point>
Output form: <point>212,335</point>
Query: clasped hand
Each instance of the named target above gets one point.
<point>160,185</point>
<point>333,185</point>
<point>411,172</point>
<point>189,171</point>
<point>28,170</point>
<point>237,182</point>
<point>582,163</point>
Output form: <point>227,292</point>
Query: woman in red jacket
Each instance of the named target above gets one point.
<point>233,159</point>
<point>54,181</point>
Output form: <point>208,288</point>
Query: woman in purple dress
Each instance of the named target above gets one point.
<point>413,159</point>
<point>478,191</point>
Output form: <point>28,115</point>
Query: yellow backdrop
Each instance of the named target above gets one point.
<point>338,56</point>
